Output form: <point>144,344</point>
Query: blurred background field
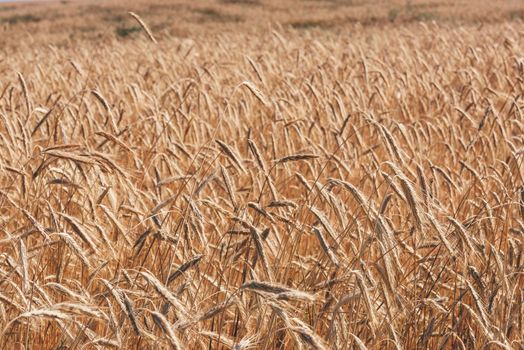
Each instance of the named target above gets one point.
<point>60,21</point>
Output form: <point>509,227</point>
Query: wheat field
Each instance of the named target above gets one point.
<point>233,181</point>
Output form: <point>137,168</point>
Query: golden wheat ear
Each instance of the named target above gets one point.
<point>144,26</point>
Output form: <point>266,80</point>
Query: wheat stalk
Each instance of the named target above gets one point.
<point>144,26</point>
